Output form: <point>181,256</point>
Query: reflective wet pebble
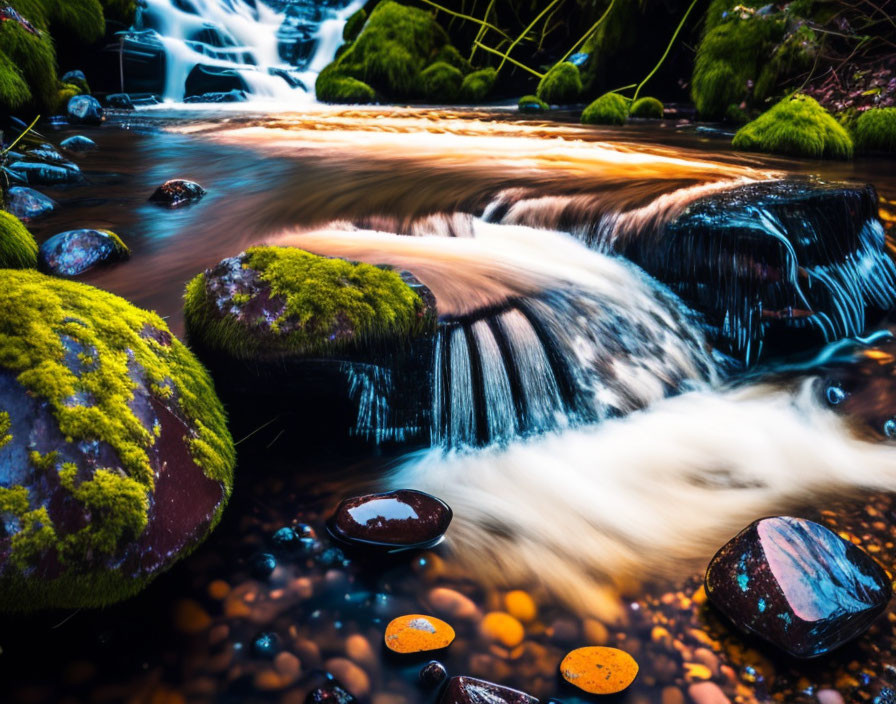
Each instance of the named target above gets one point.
<point>469,690</point>
<point>433,673</point>
<point>599,669</point>
<point>176,193</point>
<point>263,565</point>
<point>416,633</point>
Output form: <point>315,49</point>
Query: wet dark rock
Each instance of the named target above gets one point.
<point>798,585</point>
<point>177,192</point>
<point>84,110</point>
<point>27,204</point>
<point>213,79</point>
<point>232,96</point>
<point>468,690</point>
<point>74,252</point>
<point>46,153</point>
<point>263,565</point>
<point>36,173</point>
<point>433,673</point>
<point>397,520</point>
<point>75,76</point>
<point>120,101</point>
<point>292,80</point>
<point>286,539</point>
<point>331,557</point>
<point>266,645</point>
<point>330,693</point>
<point>78,143</point>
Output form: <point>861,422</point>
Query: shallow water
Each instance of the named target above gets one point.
<point>623,563</point>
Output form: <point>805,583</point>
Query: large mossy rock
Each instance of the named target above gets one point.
<point>608,109</point>
<point>115,458</point>
<point>562,84</point>
<point>875,130</point>
<point>351,341</point>
<point>797,126</point>
<point>395,46</point>
<point>18,250</point>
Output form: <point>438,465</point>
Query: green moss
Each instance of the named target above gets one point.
<point>5,427</point>
<point>332,87</point>
<point>478,85</point>
<point>18,250</point>
<point>728,59</point>
<point>562,84</point>
<point>441,82</point>
<point>647,107</point>
<point>66,92</point>
<point>531,103</point>
<point>354,25</point>
<point>795,54</point>
<point>797,126</point>
<point>14,91</point>
<point>37,313</point>
<point>450,55</point>
<point>329,305</point>
<point>608,109</point>
<point>875,130</point>
<point>395,45</point>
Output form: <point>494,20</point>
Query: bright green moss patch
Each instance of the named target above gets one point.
<point>477,85</point>
<point>797,126</point>
<point>300,304</point>
<point>18,250</point>
<point>331,87</point>
<point>532,103</point>
<point>608,109</point>
<point>647,107</point>
<point>5,427</point>
<point>875,130</point>
<point>441,82</point>
<point>562,84</point>
<point>354,25</point>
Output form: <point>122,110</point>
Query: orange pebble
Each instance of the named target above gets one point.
<point>502,628</point>
<point>190,617</point>
<point>218,589</point>
<point>520,605</point>
<point>416,633</point>
<point>599,670</point>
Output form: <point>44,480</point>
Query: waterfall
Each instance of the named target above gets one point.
<point>218,50</point>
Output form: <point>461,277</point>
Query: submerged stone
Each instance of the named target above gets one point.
<point>78,143</point>
<point>74,252</point>
<point>120,101</point>
<point>416,633</point>
<point>798,585</point>
<point>177,192</point>
<point>599,670</point>
<point>115,456</point>
<point>28,204</point>
<point>468,690</point>
<point>401,519</point>
<point>36,173</point>
<point>85,110</point>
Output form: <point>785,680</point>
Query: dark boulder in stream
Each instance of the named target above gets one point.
<point>177,192</point>
<point>28,204</point>
<point>74,252</point>
<point>78,143</point>
<point>798,585</point>
<point>115,456</point>
<point>85,110</point>
<point>38,173</point>
<point>468,690</point>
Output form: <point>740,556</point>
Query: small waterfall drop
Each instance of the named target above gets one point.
<point>217,50</point>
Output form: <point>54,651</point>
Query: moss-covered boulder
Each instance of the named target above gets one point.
<point>354,25</point>
<point>648,108</point>
<point>441,82</point>
<point>608,109</point>
<point>875,130</point>
<point>271,302</point>
<point>394,47</point>
<point>562,84</point>
<point>478,85</point>
<point>18,250</point>
<point>797,126</point>
<point>532,104</point>
<point>115,458</point>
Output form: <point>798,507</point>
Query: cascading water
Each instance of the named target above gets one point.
<point>223,50</point>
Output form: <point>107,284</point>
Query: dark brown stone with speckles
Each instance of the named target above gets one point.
<point>468,690</point>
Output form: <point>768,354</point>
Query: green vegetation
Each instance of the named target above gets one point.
<point>532,103</point>
<point>797,126</point>
<point>328,305</point>
<point>647,107</point>
<point>875,130</point>
<point>561,85</point>
<point>478,85</point>
<point>335,88</point>
<point>354,25</point>
<point>441,82</point>
<point>608,109</point>
<point>41,317</point>
<point>18,250</point>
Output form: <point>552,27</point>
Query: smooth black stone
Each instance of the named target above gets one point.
<point>28,204</point>
<point>74,252</point>
<point>400,519</point>
<point>120,101</point>
<point>433,673</point>
<point>177,192</point>
<point>78,143</point>
<point>263,565</point>
<point>37,173</point>
<point>85,110</point>
<point>213,79</point>
<point>468,690</point>
<point>798,585</point>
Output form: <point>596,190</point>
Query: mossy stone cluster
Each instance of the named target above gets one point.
<point>399,53</point>
<point>271,302</point>
<point>18,250</point>
<point>115,458</point>
<point>875,130</point>
<point>532,104</point>
<point>28,60</point>
<point>647,108</point>
<point>796,126</point>
<point>608,109</point>
<point>561,84</point>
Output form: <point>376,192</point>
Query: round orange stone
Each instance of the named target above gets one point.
<point>599,670</point>
<point>416,633</point>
